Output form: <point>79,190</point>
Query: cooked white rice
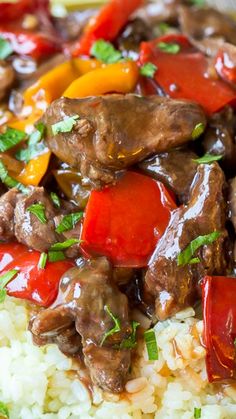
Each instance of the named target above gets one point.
<point>35,384</point>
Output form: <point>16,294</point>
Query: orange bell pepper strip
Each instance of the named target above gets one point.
<point>34,170</point>
<point>52,84</point>
<point>120,77</point>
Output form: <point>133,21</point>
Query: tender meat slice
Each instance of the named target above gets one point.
<point>7,77</point>
<point>85,293</point>
<point>159,11</point>
<point>7,206</point>
<point>134,32</point>
<point>29,230</point>
<point>116,131</point>
<point>219,138</point>
<point>232,201</point>
<point>200,23</point>
<point>173,286</point>
<point>176,169</point>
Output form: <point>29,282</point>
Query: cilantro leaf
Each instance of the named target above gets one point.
<point>39,211</point>
<point>163,27</point>
<point>54,256</point>
<point>113,330</point>
<point>208,158</point>
<point>65,125</point>
<point>9,181</point>
<point>5,49</point>
<point>4,279</point>
<point>10,138</point>
<point>148,70</point>
<point>35,147</point>
<point>69,221</point>
<point>185,256</point>
<point>198,130</point>
<point>105,51</point>
<point>130,342</point>
<point>170,47</point>
<point>151,344</point>
<point>55,199</point>
<point>64,245</point>
<point>4,410</point>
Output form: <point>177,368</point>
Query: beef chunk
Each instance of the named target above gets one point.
<point>219,138</point>
<point>29,230</point>
<point>200,23</point>
<point>116,131</point>
<point>135,32</point>
<point>7,207</point>
<point>173,286</point>
<point>232,201</point>
<point>159,11</point>
<point>86,292</point>
<point>7,77</point>
<point>176,169</point>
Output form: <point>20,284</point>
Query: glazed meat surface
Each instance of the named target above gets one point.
<point>176,169</point>
<point>86,294</point>
<point>173,286</point>
<point>116,131</point>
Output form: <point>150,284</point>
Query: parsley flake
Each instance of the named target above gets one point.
<point>198,130</point>
<point>69,221</point>
<point>170,48</point>
<point>4,412</point>
<point>131,342</point>
<point>163,27</point>
<point>185,256</point>
<point>35,146</point>
<point>4,279</point>
<point>55,256</point>
<point>5,49</point>
<point>148,70</point>
<point>10,138</point>
<point>39,211</point>
<point>9,181</point>
<point>65,125</point>
<point>151,344</point>
<point>197,412</point>
<point>113,330</point>
<point>105,51</point>
<point>55,199</point>
<point>64,245</point>
<point>208,158</point>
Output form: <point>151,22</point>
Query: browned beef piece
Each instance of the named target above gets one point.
<point>176,169</point>
<point>135,31</point>
<point>220,138</point>
<point>116,131</point>
<point>232,201</point>
<point>84,294</point>
<point>29,230</point>
<point>163,10</point>
<point>7,77</point>
<point>7,207</point>
<point>200,23</point>
<point>173,286</point>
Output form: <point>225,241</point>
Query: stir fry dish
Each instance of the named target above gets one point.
<point>118,188</point>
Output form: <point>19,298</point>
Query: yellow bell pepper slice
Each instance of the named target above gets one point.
<point>52,84</point>
<point>34,170</point>
<point>120,77</point>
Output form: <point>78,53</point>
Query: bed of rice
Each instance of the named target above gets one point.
<point>35,384</point>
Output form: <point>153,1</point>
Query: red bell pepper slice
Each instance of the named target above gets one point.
<point>219,316</point>
<point>184,75</point>
<point>125,221</point>
<point>107,24</point>
<point>225,66</point>
<point>39,286</point>
<point>13,11</point>
<point>30,43</point>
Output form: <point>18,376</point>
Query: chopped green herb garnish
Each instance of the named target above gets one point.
<point>170,48</point>
<point>54,256</point>
<point>10,138</point>
<point>148,70</point>
<point>42,260</point>
<point>198,130</point>
<point>4,279</point>
<point>151,344</point>
<point>35,147</point>
<point>163,27</point>
<point>131,342</point>
<point>4,410</point>
<point>64,245</point>
<point>65,125</point>
<point>198,3</point>
<point>105,51</point>
<point>9,181</point>
<point>69,221</point>
<point>197,412</point>
<point>5,49</point>
<point>37,135</point>
<point>185,256</point>
<point>39,211</point>
<point>113,330</point>
<point>55,199</point>
<point>208,158</point>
